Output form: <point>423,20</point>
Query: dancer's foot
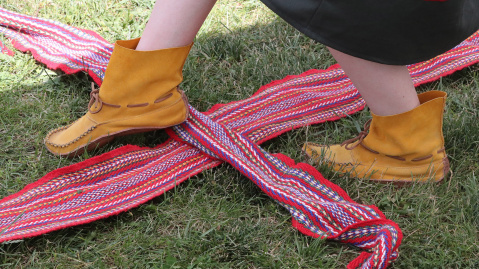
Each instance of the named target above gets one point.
<point>139,93</point>
<point>402,148</point>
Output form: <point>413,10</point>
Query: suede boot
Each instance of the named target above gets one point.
<point>401,148</point>
<point>139,93</point>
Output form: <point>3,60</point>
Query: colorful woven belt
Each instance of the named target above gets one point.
<point>119,180</point>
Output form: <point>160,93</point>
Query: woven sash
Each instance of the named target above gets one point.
<point>119,180</point>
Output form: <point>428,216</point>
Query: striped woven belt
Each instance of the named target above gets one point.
<point>116,181</point>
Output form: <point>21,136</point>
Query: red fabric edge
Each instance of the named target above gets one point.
<point>274,83</point>
<point>315,173</point>
<point>76,223</point>
<point>311,123</point>
<point>52,65</point>
<point>358,261</point>
<point>5,50</point>
<point>78,166</point>
<point>129,148</point>
<point>380,221</point>
<point>435,78</point>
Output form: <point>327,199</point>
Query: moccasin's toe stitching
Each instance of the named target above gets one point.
<point>54,131</point>
<point>308,144</point>
<point>69,143</point>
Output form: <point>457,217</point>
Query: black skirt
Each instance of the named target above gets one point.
<point>395,32</point>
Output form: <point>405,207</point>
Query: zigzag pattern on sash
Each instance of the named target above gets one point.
<point>124,178</point>
<point>57,45</point>
<point>319,208</point>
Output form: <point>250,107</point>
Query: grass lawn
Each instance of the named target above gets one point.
<point>220,219</point>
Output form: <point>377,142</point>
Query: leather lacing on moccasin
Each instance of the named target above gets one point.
<point>97,103</point>
<point>352,143</point>
<point>358,140</point>
<point>95,99</point>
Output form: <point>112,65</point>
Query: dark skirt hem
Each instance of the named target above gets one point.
<point>401,52</point>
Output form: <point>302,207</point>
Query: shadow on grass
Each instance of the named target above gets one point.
<point>215,217</point>
<point>219,218</point>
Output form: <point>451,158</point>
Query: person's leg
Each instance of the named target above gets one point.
<point>387,89</point>
<point>140,90</point>
<point>403,141</point>
<point>174,23</point>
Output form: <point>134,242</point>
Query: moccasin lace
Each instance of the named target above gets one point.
<point>354,142</point>
<point>96,104</point>
<point>95,101</point>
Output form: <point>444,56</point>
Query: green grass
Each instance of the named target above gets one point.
<point>220,219</point>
